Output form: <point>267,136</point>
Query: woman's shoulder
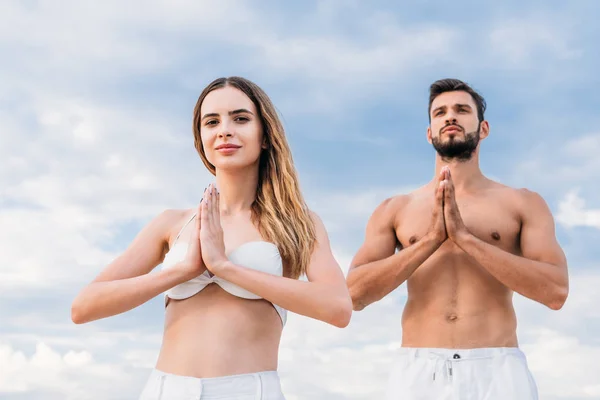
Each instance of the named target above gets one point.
<point>171,216</point>
<point>320,228</point>
<point>174,219</point>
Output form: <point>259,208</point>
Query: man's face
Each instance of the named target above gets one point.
<point>455,128</point>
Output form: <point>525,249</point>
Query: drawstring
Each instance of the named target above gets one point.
<point>446,365</point>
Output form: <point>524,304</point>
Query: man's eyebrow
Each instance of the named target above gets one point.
<point>464,106</point>
<point>437,109</point>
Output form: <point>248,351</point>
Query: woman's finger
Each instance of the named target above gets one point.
<point>217,210</point>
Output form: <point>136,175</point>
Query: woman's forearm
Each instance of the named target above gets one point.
<point>317,300</point>
<point>107,298</point>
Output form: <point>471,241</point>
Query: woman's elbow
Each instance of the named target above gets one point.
<point>79,315</point>
<point>342,313</point>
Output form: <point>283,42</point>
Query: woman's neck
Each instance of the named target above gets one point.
<point>237,189</point>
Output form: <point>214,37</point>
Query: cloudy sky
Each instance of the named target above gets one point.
<point>96,101</point>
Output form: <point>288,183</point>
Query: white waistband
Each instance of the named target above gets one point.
<point>239,385</point>
<point>460,354</point>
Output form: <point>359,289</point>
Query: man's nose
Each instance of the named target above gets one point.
<point>450,119</point>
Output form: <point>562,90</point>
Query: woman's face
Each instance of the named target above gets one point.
<point>230,129</point>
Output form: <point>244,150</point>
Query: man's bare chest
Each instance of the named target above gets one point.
<point>490,220</point>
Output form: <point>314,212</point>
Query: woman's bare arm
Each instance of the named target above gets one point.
<point>324,297</point>
<point>125,283</point>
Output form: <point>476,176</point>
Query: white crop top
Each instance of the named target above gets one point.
<point>258,255</point>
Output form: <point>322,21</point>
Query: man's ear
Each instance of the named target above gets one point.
<point>484,129</point>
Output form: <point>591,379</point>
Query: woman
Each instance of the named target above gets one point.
<point>230,266</point>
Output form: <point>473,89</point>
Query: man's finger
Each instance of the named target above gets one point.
<point>439,192</point>
<point>447,189</point>
<point>442,175</point>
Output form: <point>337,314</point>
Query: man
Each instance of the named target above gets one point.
<point>466,243</point>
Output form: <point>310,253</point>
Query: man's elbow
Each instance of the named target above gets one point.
<point>358,306</point>
<point>358,293</point>
<point>358,303</point>
<point>558,299</point>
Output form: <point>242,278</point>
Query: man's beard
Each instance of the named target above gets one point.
<point>453,149</point>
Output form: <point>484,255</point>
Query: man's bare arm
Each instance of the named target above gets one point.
<point>541,272</point>
<point>375,270</point>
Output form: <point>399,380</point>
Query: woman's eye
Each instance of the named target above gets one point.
<point>242,119</point>
<point>211,122</point>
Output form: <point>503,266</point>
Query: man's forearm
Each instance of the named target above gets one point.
<point>371,282</point>
<point>539,281</point>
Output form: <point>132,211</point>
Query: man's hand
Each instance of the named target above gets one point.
<point>437,227</point>
<point>455,227</point>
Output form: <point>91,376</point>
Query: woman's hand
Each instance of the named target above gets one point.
<point>193,265</point>
<point>211,232</point>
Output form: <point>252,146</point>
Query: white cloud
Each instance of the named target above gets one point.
<point>73,375</point>
<point>319,361</point>
<point>563,366</point>
<point>390,51</point>
<point>76,38</point>
<point>519,42</point>
<point>572,212</point>
<point>341,211</point>
<point>559,165</point>
<point>71,185</point>
<point>585,147</point>
<point>561,350</point>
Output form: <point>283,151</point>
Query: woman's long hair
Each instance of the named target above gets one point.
<point>279,211</point>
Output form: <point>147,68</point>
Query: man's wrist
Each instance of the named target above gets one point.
<point>463,239</point>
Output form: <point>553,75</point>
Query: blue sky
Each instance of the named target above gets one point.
<point>95,139</point>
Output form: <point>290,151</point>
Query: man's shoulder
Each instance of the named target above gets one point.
<point>393,207</point>
<point>521,197</point>
<point>395,203</point>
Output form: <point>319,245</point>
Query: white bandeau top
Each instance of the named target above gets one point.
<point>258,255</point>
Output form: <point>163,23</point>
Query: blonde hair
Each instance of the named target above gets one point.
<point>279,211</point>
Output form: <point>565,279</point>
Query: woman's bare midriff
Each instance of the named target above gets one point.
<point>214,333</point>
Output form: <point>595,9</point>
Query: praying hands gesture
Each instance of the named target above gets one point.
<point>446,221</point>
<point>211,232</point>
<point>455,227</point>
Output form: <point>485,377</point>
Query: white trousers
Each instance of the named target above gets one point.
<point>449,374</point>
<point>258,386</point>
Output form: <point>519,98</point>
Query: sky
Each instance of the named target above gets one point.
<point>96,102</point>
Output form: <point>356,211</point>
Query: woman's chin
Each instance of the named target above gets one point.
<point>232,165</point>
